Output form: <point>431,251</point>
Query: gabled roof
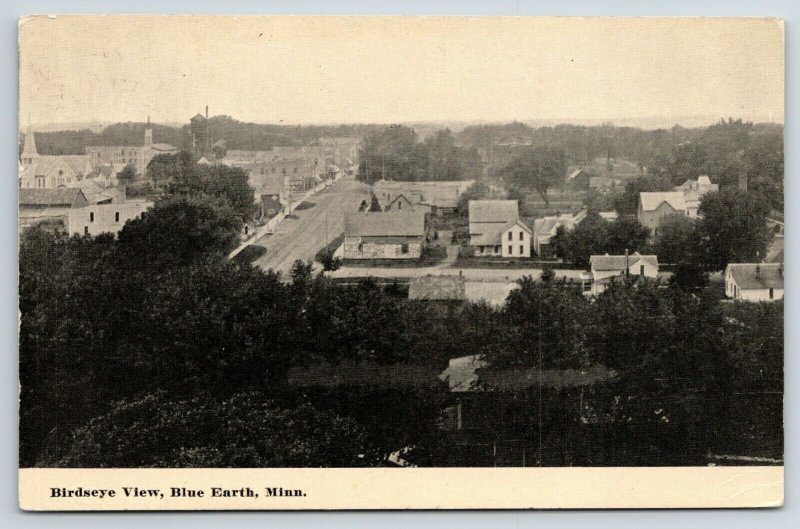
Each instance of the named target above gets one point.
<point>439,193</point>
<point>385,224</point>
<point>617,262</point>
<point>754,276</point>
<point>652,201</point>
<point>437,288</point>
<point>48,166</point>
<point>513,223</point>
<point>548,225</point>
<point>493,211</point>
<point>60,196</point>
<point>398,197</point>
<point>96,193</point>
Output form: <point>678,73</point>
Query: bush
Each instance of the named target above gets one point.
<point>250,254</point>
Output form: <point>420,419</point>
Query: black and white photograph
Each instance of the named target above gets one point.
<point>398,243</point>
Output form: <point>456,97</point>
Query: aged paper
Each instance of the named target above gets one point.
<point>300,263</point>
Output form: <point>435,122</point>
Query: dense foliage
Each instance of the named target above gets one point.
<point>394,153</point>
<point>595,236</point>
<point>536,169</point>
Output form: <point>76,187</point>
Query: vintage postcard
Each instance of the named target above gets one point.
<point>293,263</point>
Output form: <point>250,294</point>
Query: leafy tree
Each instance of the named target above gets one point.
<point>545,320</point>
<point>537,169</point>
<point>179,231</point>
<point>626,234</point>
<point>227,183</point>
<point>246,430</point>
<point>590,237</point>
<point>395,154</point>
<point>678,240</point>
<point>164,167</point>
<point>734,227</point>
<point>219,150</point>
<point>391,153</point>
<point>477,191</point>
<point>444,160</point>
<point>689,276</point>
<point>329,262</point>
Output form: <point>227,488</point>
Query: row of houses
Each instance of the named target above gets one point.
<point>281,172</point>
<point>437,197</point>
<point>70,208</point>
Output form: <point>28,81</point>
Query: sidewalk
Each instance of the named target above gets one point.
<point>269,227</point>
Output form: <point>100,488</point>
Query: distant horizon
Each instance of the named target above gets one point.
<point>644,123</point>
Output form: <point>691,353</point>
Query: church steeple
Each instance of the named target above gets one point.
<point>148,134</point>
<point>29,149</point>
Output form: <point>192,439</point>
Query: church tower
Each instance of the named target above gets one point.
<point>29,154</point>
<point>148,135</point>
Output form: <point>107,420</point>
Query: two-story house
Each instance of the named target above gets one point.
<point>495,229</point>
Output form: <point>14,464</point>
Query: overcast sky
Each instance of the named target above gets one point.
<point>344,69</point>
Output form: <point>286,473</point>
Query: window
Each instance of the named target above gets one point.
<point>91,216</point>
<point>116,216</point>
<point>521,249</point>
<point>521,236</point>
<point>496,249</point>
<point>404,248</point>
<point>86,230</point>
<point>771,293</point>
<point>641,270</point>
<point>510,250</point>
<point>60,172</point>
<point>399,205</point>
<point>361,247</point>
<point>510,236</point>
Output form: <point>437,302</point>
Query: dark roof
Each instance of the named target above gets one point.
<point>437,288</point>
<point>617,262</point>
<point>385,224</point>
<point>753,276</point>
<point>493,211</point>
<point>473,373</point>
<point>61,196</point>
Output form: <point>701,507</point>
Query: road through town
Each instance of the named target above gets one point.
<point>314,223</point>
